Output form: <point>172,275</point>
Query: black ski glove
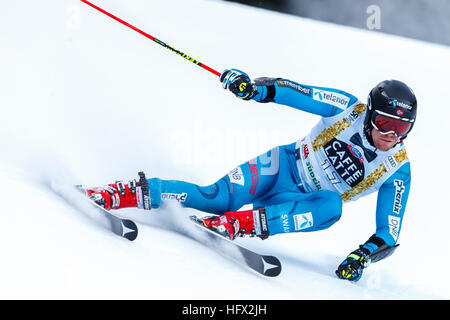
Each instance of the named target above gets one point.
<point>352,268</point>
<point>239,83</point>
<point>373,250</point>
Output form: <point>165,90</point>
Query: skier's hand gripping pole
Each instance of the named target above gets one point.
<point>352,267</point>
<point>239,83</point>
<point>153,38</point>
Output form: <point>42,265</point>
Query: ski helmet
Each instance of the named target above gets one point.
<point>395,100</point>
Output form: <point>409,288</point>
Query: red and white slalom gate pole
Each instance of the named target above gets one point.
<point>153,38</point>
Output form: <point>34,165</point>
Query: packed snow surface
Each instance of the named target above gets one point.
<point>86,100</point>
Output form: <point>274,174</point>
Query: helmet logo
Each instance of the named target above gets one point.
<point>395,103</point>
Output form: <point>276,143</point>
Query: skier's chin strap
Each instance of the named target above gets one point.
<point>368,135</point>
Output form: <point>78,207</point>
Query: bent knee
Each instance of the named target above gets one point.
<point>330,201</point>
<point>329,209</point>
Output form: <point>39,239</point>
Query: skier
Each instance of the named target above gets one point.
<point>354,150</point>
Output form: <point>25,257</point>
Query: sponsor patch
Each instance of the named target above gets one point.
<point>353,116</point>
<point>255,176</point>
<point>285,220</point>
<point>395,103</point>
<point>236,176</point>
<point>347,164</point>
<point>305,151</point>
<point>180,197</point>
<point>260,220</point>
<point>356,153</point>
<point>335,99</point>
<point>390,163</point>
<point>394,226</point>
<point>297,87</point>
<point>313,176</point>
<point>303,221</point>
<point>399,189</point>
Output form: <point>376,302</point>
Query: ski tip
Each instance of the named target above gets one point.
<point>80,188</point>
<point>272,266</point>
<point>130,230</point>
<point>131,236</point>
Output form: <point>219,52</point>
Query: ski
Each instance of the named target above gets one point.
<point>265,265</point>
<point>123,227</point>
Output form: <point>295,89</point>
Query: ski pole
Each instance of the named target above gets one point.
<point>153,38</point>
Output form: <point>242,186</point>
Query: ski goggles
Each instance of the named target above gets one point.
<point>386,123</point>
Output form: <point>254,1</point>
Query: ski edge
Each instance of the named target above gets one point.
<point>266,265</point>
<point>123,227</point>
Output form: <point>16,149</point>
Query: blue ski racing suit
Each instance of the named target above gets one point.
<point>303,185</point>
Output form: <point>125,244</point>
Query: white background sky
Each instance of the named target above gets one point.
<point>87,100</point>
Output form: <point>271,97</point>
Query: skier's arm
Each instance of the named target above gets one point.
<point>391,204</point>
<point>322,101</point>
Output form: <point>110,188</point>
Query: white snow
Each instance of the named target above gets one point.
<point>86,100</point>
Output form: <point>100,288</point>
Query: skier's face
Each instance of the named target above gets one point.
<point>383,142</point>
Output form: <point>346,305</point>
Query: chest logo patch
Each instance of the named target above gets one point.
<point>347,160</point>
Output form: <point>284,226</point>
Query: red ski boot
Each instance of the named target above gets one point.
<point>240,223</point>
<point>118,195</point>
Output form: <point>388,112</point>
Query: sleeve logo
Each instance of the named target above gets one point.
<point>335,99</point>
<point>399,189</point>
<point>297,87</point>
<point>394,226</point>
<point>236,176</point>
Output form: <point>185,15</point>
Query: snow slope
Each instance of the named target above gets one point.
<point>87,100</point>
